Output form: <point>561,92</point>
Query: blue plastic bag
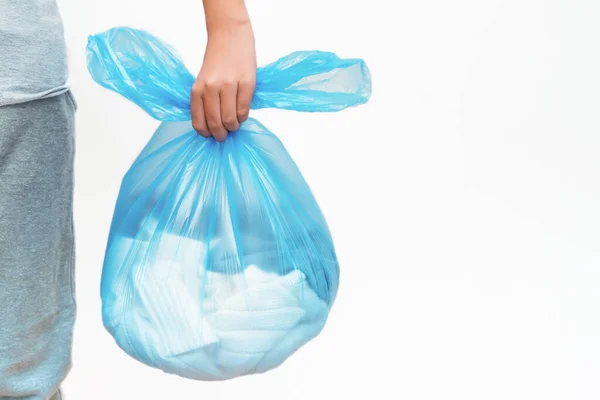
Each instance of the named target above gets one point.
<point>219,262</point>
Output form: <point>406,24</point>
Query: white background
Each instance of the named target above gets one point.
<point>464,198</point>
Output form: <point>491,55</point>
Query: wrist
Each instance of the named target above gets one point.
<point>224,15</point>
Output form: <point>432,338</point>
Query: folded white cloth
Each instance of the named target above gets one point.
<point>204,324</point>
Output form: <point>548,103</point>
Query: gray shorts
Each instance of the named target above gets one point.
<point>37,302</point>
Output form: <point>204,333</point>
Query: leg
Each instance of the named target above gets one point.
<point>37,305</point>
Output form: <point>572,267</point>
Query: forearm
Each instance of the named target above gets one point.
<point>224,13</point>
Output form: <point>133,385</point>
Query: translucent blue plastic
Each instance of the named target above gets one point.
<point>219,261</point>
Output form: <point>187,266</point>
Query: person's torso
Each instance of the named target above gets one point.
<point>33,60</point>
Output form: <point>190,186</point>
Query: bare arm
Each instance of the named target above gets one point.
<point>223,91</point>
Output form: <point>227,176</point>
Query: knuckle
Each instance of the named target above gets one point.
<point>230,122</point>
<point>213,85</point>
<point>213,124</point>
<point>196,90</point>
<point>243,117</point>
<point>247,83</point>
<point>228,83</point>
<point>243,112</point>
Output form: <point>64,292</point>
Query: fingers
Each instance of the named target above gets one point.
<point>220,108</point>
<point>244,99</point>
<point>212,110</point>
<point>228,107</point>
<point>198,115</point>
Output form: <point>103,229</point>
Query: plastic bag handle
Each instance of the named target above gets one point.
<point>150,73</point>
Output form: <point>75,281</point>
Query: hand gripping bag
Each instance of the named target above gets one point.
<point>219,262</point>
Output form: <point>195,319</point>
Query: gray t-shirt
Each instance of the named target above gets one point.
<point>33,60</point>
